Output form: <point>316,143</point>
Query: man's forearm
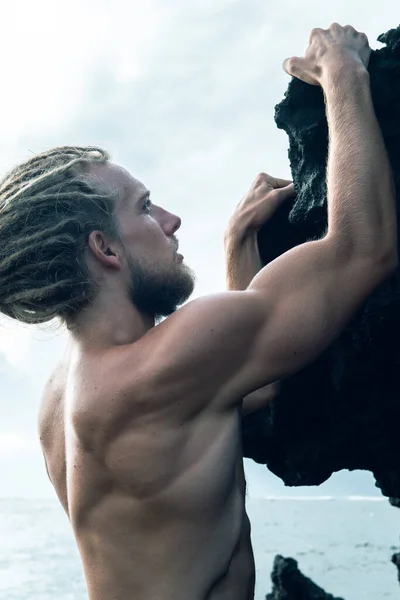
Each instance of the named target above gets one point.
<point>242,265</point>
<point>242,259</point>
<point>360,187</point>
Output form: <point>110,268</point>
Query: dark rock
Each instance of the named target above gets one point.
<point>343,411</point>
<point>396,561</point>
<point>290,584</point>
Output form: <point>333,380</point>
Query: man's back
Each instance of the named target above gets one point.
<point>140,425</point>
<point>153,485</point>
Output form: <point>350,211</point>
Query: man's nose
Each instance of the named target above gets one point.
<point>169,222</point>
<point>176,223</point>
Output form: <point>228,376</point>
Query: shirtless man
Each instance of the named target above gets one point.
<point>140,423</point>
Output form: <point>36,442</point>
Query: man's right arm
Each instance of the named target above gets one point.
<point>298,304</point>
<point>312,291</point>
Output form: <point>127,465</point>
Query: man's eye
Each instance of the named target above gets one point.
<point>147,206</point>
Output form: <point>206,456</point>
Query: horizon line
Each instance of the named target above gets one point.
<point>351,498</point>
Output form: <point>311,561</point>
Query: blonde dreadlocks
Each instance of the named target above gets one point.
<point>48,207</point>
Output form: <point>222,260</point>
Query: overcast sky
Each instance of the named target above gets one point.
<point>181,93</point>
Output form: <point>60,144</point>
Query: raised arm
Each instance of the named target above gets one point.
<point>234,343</point>
<point>313,290</point>
<point>242,256</point>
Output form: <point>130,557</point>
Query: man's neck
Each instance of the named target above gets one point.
<point>105,325</point>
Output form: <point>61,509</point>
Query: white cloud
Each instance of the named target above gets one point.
<point>16,345</point>
<point>51,51</point>
<point>24,346</point>
<point>11,443</point>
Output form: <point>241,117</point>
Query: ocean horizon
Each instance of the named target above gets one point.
<point>357,498</point>
<point>344,543</point>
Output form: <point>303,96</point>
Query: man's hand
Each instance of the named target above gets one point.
<point>329,49</point>
<point>263,199</point>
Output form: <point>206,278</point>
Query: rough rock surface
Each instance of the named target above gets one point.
<point>343,411</point>
<point>290,584</point>
<point>396,561</point>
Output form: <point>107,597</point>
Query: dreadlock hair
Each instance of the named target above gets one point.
<point>48,207</point>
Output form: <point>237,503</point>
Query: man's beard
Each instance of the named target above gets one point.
<point>157,293</point>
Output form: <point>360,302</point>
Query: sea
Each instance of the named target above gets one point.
<point>343,544</point>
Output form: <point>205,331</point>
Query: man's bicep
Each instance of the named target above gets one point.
<point>310,295</point>
<point>233,343</point>
<point>298,328</point>
<point>205,344</point>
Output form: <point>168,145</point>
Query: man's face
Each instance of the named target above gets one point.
<point>159,281</point>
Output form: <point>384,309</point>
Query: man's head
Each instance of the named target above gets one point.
<point>70,223</point>
<point>145,248</point>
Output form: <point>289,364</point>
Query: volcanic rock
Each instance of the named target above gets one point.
<point>342,411</point>
<point>290,584</point>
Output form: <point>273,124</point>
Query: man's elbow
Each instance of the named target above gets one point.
<point>377,263</point>
<point>260,398</point>
<point>387,263</point>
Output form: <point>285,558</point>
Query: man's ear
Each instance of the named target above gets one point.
<point>104,250</point>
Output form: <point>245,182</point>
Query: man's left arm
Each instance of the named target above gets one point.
<point>243,262</point>
<point>242,259</point>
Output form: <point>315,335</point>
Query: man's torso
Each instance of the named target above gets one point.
<point>153,485</point>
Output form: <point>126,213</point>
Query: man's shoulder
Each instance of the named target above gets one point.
<point>195,353</point>
<point>124,383</point>
<point>190,356</point>
<point>50,408</point>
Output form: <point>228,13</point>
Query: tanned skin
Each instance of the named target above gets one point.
<point>243,261</point>
<point>140,423</point>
